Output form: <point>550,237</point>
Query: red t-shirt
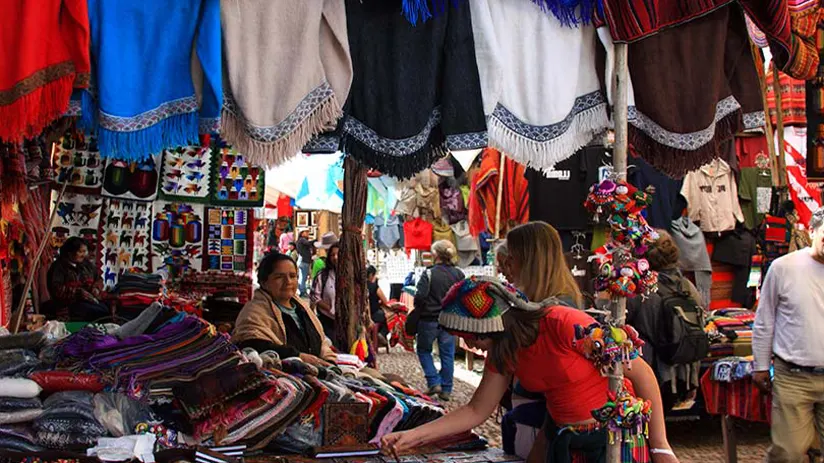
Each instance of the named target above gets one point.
<point>572,385</point>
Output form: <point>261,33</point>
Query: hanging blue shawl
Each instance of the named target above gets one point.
<point>145,95</point>
<point>570,13</point>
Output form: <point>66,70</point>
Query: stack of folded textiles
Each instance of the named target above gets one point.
<point>135,292</point>
<point>730,331</point>
<point>202,284</point>
<point>174,375</point>
<point>68,422</point>
<point>19,407</point>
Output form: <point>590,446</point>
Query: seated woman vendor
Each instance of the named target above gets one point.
<point>74,286</point>
<point>275,319</point>
<point>545,346</point>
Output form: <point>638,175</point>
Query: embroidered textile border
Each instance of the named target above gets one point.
<point>75,109</point>
<point>392,147</point>
<point>273,133</point>
<point>208,125</point>
<point>754,120</point>
<point>323,143</point>
<point>149,118</point>
<point>467,141</point>
<point>543,133</point>
<point>36,80</point>
<point>683,141</point>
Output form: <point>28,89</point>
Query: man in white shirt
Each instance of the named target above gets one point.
<point>789,331</point>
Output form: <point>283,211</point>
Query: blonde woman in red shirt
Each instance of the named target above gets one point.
<point>534,342</point>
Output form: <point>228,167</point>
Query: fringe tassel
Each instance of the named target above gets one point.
<point>419,10</point>
<point>400,167</point>
<point>572,13</point>
<point>416,10</point>
<point>177,130</point>
<point>675,162</point>
<point>543,155</point>
<point>88,109</point>
<point>270,154</point>
<point>27,116</point>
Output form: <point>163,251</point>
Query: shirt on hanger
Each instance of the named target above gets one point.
<point>667,203</point>
<point>712,197</point>
<point>755,192</point>
<point>568,182</point>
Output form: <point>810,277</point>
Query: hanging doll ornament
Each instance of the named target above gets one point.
<point>629,279</point>
<point>626,419</point>
<point>606,345</point>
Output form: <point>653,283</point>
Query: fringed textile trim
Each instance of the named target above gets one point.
<point>690,141</point>
<point>401,158</point>
<point>35,102</point>
<point>422,10</point>
<point>138,145</point>
<point>541,147</point>
<point>676,154</point>
<point>270,146</point>
<point>571,13</point>
<point>465,324</point>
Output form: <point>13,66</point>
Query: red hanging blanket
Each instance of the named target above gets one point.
<point>44,48</point>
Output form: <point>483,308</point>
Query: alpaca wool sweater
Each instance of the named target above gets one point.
<point>416,90</point>
<point>287,73</point>
<point>143,79</point>
<point>44,51</point>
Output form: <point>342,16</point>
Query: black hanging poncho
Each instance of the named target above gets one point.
<point>416,90</point>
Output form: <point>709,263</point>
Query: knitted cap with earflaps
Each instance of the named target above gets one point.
<point>477,304</point>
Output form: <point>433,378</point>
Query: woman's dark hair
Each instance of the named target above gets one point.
<point>71,246</point>
<point>267,265</point>
<point>371,270</point>
<point>663,254</point>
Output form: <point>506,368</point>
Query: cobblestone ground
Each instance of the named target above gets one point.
<point>694,441</point>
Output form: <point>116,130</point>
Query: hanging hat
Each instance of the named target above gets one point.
<point>327,241</point>
<point>477,305</point>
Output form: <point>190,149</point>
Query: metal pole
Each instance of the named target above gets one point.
<point>619,160</point>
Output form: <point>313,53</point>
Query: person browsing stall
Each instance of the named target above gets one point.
<point>305,249</point>
<point>519,336</point>
<point>789,334</point>
<point>324,287</point>
<point>275,319</point>
<point>73,284</point>
<point>431,289</point>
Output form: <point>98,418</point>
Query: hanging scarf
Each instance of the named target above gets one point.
<point>540,111</point>
<point>146,99</point>
<point>415,91</point>
<point>45,46</point>
<point>270,114</point>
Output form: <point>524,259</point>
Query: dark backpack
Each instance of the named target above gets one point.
<point>683,339</point>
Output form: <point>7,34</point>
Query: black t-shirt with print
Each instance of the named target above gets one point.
<point>557,197</point>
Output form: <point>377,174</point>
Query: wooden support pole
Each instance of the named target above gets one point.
<point>501,174</point>
<point>779,128</point>
<point>17,317</point>
<point>768,130</point>
<point>619,159</point>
